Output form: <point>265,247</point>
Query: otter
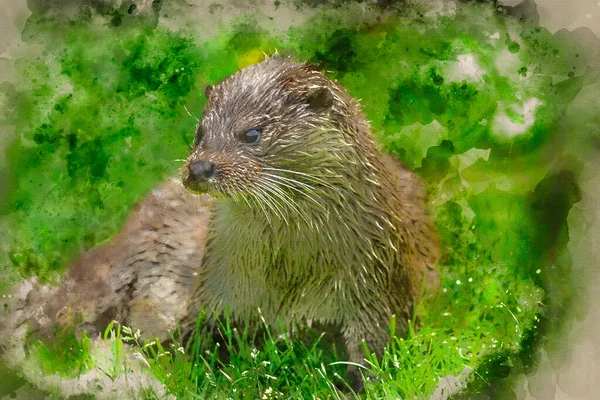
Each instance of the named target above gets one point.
<point>310,222</point>
<point>289,214</point>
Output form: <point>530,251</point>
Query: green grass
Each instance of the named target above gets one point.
<point>103,113</point>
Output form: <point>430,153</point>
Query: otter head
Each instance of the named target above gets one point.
<point>272,130</point>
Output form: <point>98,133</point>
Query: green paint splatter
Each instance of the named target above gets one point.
<point>513,46</point>
<point>103,120</point>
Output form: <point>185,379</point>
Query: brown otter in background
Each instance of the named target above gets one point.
<point>308,223</point>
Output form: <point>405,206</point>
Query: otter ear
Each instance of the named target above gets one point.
<point>207,91</point>
<point>320,100</point>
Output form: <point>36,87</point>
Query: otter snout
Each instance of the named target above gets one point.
<point>196,175</point>
<point>200,171</point>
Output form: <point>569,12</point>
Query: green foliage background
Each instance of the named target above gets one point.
<point>102,115</point>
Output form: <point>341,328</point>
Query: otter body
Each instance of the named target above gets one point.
<point>308,222</point>
<point>311,222</point>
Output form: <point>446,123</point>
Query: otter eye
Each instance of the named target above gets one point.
<point>252,136</point>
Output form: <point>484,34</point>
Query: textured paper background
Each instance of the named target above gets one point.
<point>569,372</point>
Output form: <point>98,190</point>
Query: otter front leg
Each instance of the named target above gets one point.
<point>355,332</point>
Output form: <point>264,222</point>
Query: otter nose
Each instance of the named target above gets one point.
<point>202,170</point>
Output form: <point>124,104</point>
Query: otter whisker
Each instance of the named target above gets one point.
<point>283,181</point>
<point>264,198</point>
<point>284,197</point>
<point>246,200</point>
<point>312,188</point>
<point>258,200</point>
<point>267,191</point>
<point>235,195</point>
<point>313,177</point>
<point>176,160</point>
<point>190,114</point>
<point>271,202</point>
<point>275,179</point>
<point>304,174</point>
